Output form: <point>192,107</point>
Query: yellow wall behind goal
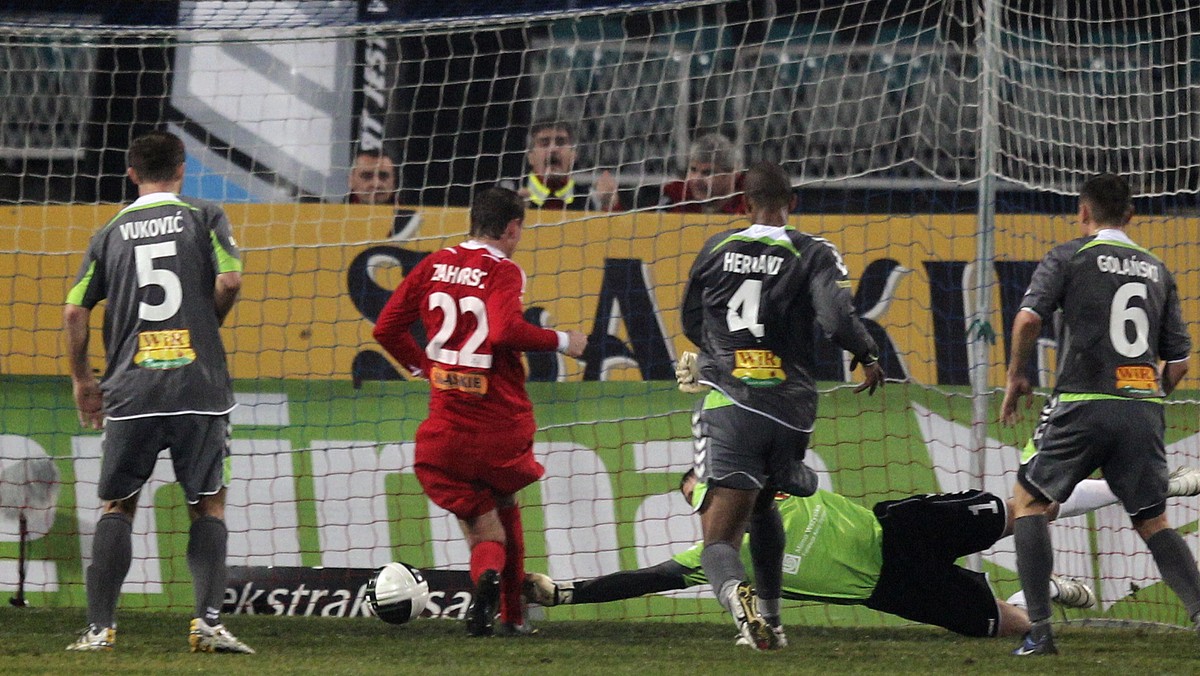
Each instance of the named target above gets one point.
<point>296,318</point>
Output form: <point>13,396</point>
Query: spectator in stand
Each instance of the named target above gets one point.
<point>713,184</point>
<point>549,183</point>
<point>372,179</point>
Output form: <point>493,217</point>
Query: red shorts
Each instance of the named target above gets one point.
<point>463,472</point>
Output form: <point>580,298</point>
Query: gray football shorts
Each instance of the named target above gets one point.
<point>740,449</point>
<point>199,452</point>
<point>1123,438</point>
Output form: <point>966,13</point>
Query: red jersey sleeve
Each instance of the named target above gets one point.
<point>509,328</point>
<point>392,329</point>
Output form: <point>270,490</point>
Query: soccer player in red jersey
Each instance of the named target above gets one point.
<point>475,450</point>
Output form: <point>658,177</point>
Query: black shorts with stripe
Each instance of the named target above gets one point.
<point>923,536</point>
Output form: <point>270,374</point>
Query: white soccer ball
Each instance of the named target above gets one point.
<point>397,593</point>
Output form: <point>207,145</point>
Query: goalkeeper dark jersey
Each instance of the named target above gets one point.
<point>1120,315</point>
<point>156,265</point>
<point>753,302</point>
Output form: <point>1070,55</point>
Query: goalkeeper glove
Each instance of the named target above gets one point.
<point>686,372</point>
<point>544,591</point>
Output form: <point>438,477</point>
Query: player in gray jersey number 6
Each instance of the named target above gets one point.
<point>1120,324</point>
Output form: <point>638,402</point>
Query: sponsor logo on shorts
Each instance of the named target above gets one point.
<point>1137,379</point>
<point>758,368</point>
<point>472,383</point>
<point>163,350</point>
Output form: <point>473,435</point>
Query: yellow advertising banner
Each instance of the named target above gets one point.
<point>313,273</point>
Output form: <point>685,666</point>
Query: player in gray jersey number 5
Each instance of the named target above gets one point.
<point>169,272</point>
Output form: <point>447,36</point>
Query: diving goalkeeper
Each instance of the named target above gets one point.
<point>898,557</point>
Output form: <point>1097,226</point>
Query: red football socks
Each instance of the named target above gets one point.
<point>512,609</point>
<point>487,555</point>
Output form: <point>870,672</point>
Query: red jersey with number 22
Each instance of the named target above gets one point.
<point>469,299</point>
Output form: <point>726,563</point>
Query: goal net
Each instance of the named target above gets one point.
<point>938,145</point>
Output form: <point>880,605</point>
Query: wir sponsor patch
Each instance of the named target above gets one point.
<point>758,368</point>
<point>163,350</point>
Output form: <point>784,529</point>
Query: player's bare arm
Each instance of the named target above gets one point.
<point>228,286</point>
<point>1173,372</point>
<point>88,399</point>
<point>1026,328</point>
<point>873,377</point>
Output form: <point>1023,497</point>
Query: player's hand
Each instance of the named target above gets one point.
<point>544,591</point>
<point>873,376</point>
<point>1018,387</point>
<point>576,344</point>
<point>686,374</point>
<point>605,189</point>
<point>90,403</point>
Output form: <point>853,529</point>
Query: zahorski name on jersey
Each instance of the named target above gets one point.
<point>152,227</point>
<point>453,274</point>
<point>745,264</point>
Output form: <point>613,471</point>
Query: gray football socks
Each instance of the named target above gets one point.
<point>112,552</point>
<point>766,552</point>
<point>206,559</point>
<point>723,568</point>
<point>1035,562</point>
<point>1178,567</point>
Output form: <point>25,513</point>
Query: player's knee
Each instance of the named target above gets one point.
<point>1150,521</point>
<point>764,504</point>
<point>126,507</point>
<point>211,506</point>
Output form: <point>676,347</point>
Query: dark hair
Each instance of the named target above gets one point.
<point>156,156</point>
<point>1109,198</point>
<point>492,209</point>
<point>376,154</point>
<point>542,125</point>
<point>768,186</point>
